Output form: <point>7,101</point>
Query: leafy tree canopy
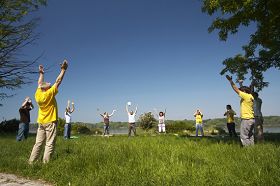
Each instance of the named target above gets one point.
<point>16,32</point>
<point>263,50</point>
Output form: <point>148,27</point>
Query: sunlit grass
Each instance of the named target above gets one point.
<point>159,160</point>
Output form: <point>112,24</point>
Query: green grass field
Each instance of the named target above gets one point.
<point>147,160</point>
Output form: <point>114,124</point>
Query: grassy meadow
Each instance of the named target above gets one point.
<point>147,160</point>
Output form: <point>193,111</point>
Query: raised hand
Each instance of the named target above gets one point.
<point>229,77</point>
<point>64,65</point>
<point>41,69</point>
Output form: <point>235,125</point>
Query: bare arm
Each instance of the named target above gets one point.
<point>41,75</point>
<point>126,109</point>
<point>252,85</point>
<point>135,110</point>
<point>112,113</point>
<point>73,107</point>
<point>24,103</point>
<point>234,87</point>
<point>61,75</point>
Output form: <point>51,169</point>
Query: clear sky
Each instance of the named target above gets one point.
<point>154,53</point>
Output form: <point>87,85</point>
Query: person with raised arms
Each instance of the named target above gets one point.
<point>131,120</point>
<point>106,119</point>
<point>230,121</point>
<point>47,114</point>
<point>67,115</point>
<point>161,121</point>
<point>24,111</point>
<point>198,122</point>
<point>246,113</point>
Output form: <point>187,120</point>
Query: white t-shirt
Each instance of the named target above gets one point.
<point>67,117</point>
<point>161,119</point>
<point>131,118</point>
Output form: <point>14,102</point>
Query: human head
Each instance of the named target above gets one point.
<point>45,86</point>
<point>255,94</point>
<point>160,113</point>
<point>245,89</point>
<point>67,109</point>
<point>228,107</point>
<point>131,112</point>
<point>105,114</point>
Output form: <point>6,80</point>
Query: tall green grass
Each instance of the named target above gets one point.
<point>160,160</point>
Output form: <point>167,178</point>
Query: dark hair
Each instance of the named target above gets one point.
<point>245,89</point>
<point>255,94</point>
<point>229,106</point>
<point>161,113</point>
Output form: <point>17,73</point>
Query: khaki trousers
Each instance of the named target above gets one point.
<point>45,133</point>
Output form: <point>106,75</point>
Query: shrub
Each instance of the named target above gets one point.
<point>147,121</point>
<point>179,126</point>
<point>10,126</point>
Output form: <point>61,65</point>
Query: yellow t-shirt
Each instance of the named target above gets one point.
<point>230,116</point>
<point>246,105</point>
<point>198,118</point>
<point>47,112</point>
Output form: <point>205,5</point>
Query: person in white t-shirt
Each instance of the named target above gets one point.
<point>131,121</point>
<point>67,114</point>
<point>161,121</point>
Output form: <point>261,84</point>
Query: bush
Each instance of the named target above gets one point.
<point>147,121</point>
<point>82,129</point>
<point>60,126</point>
<point>179,126</point>
<point>10,126</point>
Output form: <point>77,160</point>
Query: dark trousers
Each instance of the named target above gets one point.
<point>231,129</point>
<point>106,129</point>
<point>131,127</point>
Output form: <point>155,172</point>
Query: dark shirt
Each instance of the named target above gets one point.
<point>106,121</point>
<point>24,115</point>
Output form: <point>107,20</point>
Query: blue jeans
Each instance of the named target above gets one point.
<point>23,130</point>
<point>106,130</point>
<point>199,126</point>
<point>67,130</point>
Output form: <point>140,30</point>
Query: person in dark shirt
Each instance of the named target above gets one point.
<point>24,111</point>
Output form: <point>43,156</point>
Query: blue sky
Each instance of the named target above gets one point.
<point>156,54</point>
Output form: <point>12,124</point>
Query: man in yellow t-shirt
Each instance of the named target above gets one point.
<point>246,113</point>
<point>198,122</point>
<point>47,114</point>
<point>230,121</point>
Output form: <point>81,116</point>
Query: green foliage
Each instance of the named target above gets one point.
<point>161,160</point>
<point>263,50</point>
<point>180,126</point>
<point>60,126</point>
<point>147,121</point>
<point>9,126</point>
<point>16,32</point>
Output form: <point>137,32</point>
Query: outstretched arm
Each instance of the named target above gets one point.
<point>59,78</point>
<point>252,85</point>
<point>135,110</point>
<point>126,109</point>
<point>73,108</point>
<point>112,113</point>
<point>25,101</point>
<point>234,87</point>
<point>41,75</point>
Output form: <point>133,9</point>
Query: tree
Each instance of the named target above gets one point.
<point>147,121</point>
<point>263,50</point>
<point>16,32</point>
